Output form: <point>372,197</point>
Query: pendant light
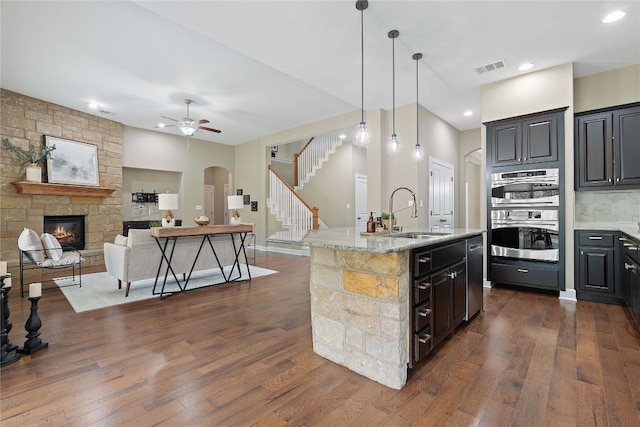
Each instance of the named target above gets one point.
<point>362,133</point>
<point>394,142</point>
<point>418,150</point>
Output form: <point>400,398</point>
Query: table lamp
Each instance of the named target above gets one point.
<point>235,203</point>
<point>168,201</point>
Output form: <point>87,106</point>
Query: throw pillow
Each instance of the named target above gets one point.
<point>51,246</point>
<point>30,241</point>
<point>121,240</point>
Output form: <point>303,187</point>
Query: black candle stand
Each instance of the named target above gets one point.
<point>33,324</point>
<point>8,325</point>
<point>6,357</point>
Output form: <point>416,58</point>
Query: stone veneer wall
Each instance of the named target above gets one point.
<point>25,121</point>
<point>360,312</point>
<point>620,206</point>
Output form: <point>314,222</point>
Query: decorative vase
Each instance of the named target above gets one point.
<point>34,173</point>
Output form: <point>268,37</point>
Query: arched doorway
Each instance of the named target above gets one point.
<point>217,182</point>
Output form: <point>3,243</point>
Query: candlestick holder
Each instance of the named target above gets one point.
<point>6,358</point>
<point>33,324</point>
<point>8,325</point>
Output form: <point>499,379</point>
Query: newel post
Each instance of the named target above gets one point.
<point>314,212</point>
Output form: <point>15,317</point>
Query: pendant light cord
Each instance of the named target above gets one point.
<point>362,63</point>
<point>393,74</point>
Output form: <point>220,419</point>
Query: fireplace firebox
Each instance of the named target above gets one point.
<point>67,229</point>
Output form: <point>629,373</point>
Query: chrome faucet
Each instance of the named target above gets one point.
<point>414,207</point>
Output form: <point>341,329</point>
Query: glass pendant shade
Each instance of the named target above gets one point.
<point>187,130</point>
<point>362,135</point>
<point>418,152</point>
<point>394,143</point>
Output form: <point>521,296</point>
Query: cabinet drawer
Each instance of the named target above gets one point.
<point>512,274</point>
<point>596,239</point>
<point>421,263</point>
<point>422,343</point>
<point>421,290</point>
<point>422,316</point>
<point>447,255</point>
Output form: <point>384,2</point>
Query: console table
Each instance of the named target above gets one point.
<point>172,234</point>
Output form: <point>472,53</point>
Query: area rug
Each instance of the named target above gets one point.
<point>100,290</point>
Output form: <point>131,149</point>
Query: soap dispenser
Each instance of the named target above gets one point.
<point>371,224</point>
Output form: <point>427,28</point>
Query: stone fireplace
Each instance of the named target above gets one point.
<point>67,229</point>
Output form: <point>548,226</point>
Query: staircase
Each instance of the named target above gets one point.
<point>294,213</point>
<point>311,158</point>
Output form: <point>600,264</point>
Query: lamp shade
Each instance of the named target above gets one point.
<point>167,201</point>
<point>235,202</point>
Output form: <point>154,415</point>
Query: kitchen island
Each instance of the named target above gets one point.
<point>362,296</point>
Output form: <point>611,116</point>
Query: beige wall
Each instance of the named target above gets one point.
<point>607,89</point>
<point>147,181</point>
<point>333,186</point>
<point>145,149</point>
<point>470,141</point>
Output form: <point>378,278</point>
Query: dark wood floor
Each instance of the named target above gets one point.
<point>240,355</point>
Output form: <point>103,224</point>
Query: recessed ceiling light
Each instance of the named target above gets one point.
<point>342,136</point>
<point>526,66</point>
<point>468,113</point>
<point>93,105</point>
<point>160,125</point>
<point>613,17</point>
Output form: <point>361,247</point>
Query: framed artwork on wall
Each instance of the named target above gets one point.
<point>72,162</point>
<point>239,192</point>
<point>246,199</point>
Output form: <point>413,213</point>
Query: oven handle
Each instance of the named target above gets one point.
<point>543,201</point>
<point>548,225</point>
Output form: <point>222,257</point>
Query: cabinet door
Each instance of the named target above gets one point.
<point>596,270</point>
<point>540,139</point>
<point>506,144</point>
<point>594,151</point>
<point>458,293</point>
<point>626,132</point>
<point>441,293</point>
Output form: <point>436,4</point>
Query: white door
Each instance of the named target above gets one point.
<point>361,202</point>
<point>441,192</point>
<point>227,192</point>
<point>209,204</point>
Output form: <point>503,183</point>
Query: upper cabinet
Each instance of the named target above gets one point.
<point>607,149</point>
<point>525,140</point>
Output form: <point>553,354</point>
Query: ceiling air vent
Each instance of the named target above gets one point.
<point>491,67</point>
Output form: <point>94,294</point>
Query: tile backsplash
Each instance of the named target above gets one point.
<point>620,206</point>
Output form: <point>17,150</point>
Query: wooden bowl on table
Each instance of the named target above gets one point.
<point>202,222</point>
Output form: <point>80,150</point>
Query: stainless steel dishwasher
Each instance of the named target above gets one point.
<point>474,276</point>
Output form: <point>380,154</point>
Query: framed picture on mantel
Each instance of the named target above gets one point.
<point>72,162</point>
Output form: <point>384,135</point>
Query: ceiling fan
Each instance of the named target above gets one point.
<point>187,125</point>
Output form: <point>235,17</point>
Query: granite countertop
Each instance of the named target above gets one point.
<point>350,239</point>
<point>628,228</point>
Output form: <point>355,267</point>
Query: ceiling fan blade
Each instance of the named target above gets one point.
<point>209,129</point>
<point>169,118</point>
<point>203,121</point>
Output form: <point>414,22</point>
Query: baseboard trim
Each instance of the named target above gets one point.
<point>568,295</point>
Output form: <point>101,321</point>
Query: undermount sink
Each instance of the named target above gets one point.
<point>417,235</point>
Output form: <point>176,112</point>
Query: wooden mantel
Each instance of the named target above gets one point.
<point>27,187</point>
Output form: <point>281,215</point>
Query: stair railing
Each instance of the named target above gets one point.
<point>288,205</point>
<point>300,166</point>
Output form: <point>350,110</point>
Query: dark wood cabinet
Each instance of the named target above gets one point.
<point>598,264</point>
<point>458,294</point>
<point>439,295</point>
<point>607,149</point>
<point>532,139</point>
<point>630,268</point>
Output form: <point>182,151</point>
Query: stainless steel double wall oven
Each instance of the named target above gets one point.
<point>525,214</point>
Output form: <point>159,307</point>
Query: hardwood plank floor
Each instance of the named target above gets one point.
<point>241,355</point>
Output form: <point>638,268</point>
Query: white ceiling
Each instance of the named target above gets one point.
<point>258,67</point>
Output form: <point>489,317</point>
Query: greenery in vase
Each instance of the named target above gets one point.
<point>30,155</point>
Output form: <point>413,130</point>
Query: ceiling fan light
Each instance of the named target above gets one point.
<point>187,130</point>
